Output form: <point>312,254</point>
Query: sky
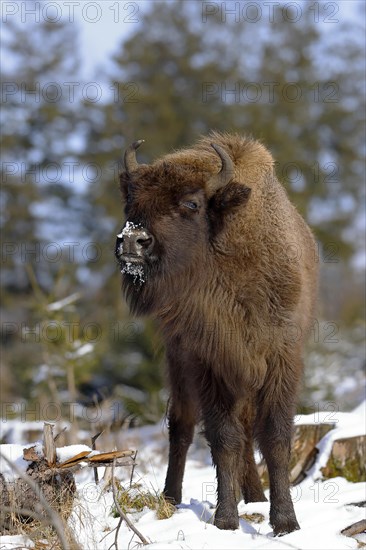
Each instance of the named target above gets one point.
<point>106,23</point>
<point>99,39</point>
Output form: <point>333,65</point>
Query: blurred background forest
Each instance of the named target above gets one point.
<point>291,75</point>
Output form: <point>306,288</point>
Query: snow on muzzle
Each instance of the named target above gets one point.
<point>134,244</point>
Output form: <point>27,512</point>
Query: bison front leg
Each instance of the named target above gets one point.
<point>181,429</point>
<point>224,435</point>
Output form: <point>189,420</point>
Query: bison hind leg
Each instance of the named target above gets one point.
<point>251,485</point>
<point>275,444</point>
<point>249,480</point>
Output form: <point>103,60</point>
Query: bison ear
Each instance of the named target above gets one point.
<point>225,200</point>
<point>229,197</point>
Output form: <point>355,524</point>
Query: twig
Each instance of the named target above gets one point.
<point>107,464</point>
<point>121,512</point>
<point>60,433</point>
<point>55,519</point>
<point>117,532</point>
<point>76,467</point>
<point>133,467</point>
<point>137,544</point>
<point>93,440</point>
<point>107,535</point>
<point>116,529</point>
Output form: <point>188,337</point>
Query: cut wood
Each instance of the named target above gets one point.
<point>110,456</point>
<point>49,448</point>
<point>80,457</point>
<point>103,459</point>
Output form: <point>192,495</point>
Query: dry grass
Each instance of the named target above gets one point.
<point>34,522</point>
<point>253,518</point>
<point>39,531</point>
<point>136,498</point>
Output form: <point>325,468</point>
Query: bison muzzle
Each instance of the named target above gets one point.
<point>215,252</point>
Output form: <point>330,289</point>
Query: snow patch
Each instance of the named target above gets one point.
<point>128,229</point>
<point>64,453</point>
<point>18,542</point>
<point>14,453</point>
<point>323,507</point>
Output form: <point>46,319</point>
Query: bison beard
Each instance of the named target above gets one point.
<point>211,234</point>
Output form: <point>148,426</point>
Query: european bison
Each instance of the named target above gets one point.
<point>215,252</point>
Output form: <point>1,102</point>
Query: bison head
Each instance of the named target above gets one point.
<point>173,214</point>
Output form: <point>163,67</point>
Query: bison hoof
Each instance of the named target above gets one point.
<point>227,522</point>
<point>284,525</point>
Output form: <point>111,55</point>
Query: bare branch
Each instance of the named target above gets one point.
<point>60,433</point>
<point>133,467</point>
<point>121,512</point>
<point>93,440</point>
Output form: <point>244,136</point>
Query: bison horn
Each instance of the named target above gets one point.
<point>131,163</point>
<point>226,173</point>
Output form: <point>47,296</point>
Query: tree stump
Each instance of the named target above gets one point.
<point>21,503</point>
<point>50,481</point>
<point>347,459</point>
<point>303,452</point>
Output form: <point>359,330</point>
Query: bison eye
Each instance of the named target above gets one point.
<point>190,204</point>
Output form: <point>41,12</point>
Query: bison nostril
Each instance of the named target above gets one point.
<point>144,242</point>
<point>134,242</point>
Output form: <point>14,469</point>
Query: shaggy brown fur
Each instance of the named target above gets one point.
<point>232,284</point>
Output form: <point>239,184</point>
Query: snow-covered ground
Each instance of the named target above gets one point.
<point>323,507</point>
